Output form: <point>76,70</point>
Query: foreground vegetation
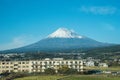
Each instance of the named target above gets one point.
<point>50,77</point>
<point>117,68</point>
<point>90,77</point>
<point>73,77</point>
<point>65,73</point>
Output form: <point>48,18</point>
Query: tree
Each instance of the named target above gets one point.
<point>66,70</point>
<point>63,70</point>
<point>71,71</point>
<point>6,73</point>
<point>49,71</point>
<point>12,76</point>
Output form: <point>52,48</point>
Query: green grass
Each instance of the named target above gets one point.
<point>73,77</point>
<point>54,77</point>
<point>104,68</point>
<point>91,77</point>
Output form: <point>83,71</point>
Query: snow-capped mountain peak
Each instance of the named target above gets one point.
<point>64,33</point>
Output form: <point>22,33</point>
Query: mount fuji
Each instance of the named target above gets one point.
<point>61,40</point>
<point>64,33</point>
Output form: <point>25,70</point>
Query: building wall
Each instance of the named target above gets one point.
<point>38,65</point>
<point>15,66</point>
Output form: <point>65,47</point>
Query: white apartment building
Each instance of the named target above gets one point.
<point>15,66</point>
<point>39,65</point>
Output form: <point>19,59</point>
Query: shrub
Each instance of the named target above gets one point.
<point>66,70</point>
<point>49,71</point>
<point>15,75</point>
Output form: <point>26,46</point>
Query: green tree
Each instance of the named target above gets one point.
<point>63,70</point>
<point>66,70</point>
<point>49,71</point>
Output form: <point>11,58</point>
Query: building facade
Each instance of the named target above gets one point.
<point>103,65</point>
<point>15,66</point>
<point>39,65</point>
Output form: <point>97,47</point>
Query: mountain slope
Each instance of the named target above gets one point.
<point>62,39</point>
<point>64,33</point>
<point>110,52</point>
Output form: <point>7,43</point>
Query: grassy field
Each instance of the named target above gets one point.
<point>90,77</point>
<point>104,68</point>
<point>73,77</point>
<point>54,77</point>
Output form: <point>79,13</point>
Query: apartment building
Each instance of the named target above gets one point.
<point>15,66</point>
<point>39,65</point>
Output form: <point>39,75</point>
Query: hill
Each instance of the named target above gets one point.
<point>60,40</point>
<point>104,52</point>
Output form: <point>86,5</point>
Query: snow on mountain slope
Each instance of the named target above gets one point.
<point>60,40</point>
<point>64,33</point>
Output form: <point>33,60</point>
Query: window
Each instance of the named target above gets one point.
<point>27,66</point>
<point>7,63</point>
<point>18,66</point>
<point>36,66</point>
<point>11,70</point>
<point>23,70</point>
<point>23,66</point>
<point>75,66</point>
<point>7,66</point>
<point>19,63</point>
<point>3,63</point>
<point>15,68</point>
<point>50,62</point>
<point>15,64</point>
<point>23,62</point>
<point>11,66</point>
<point>75,62</point>
<point>45,62</point>
<point>66,62</point>
<point>40,62</point>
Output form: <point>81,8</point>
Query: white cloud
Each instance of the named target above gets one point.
<point>18,42</point>
<point>101,10</point>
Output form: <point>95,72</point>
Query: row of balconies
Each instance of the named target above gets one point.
<point>59,64</point>
<point>44,67</point>
<point>63,62</point>
<point>39,62</point>
<point>1,67</point>
<point>14,62</point>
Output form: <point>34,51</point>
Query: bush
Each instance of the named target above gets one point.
<point>5,73</point>
<point>15,75</point>
<point>49,71</point>
<point>66,70</point>
<point>92,72</point>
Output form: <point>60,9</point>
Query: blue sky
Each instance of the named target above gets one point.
<point>23,22</point>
